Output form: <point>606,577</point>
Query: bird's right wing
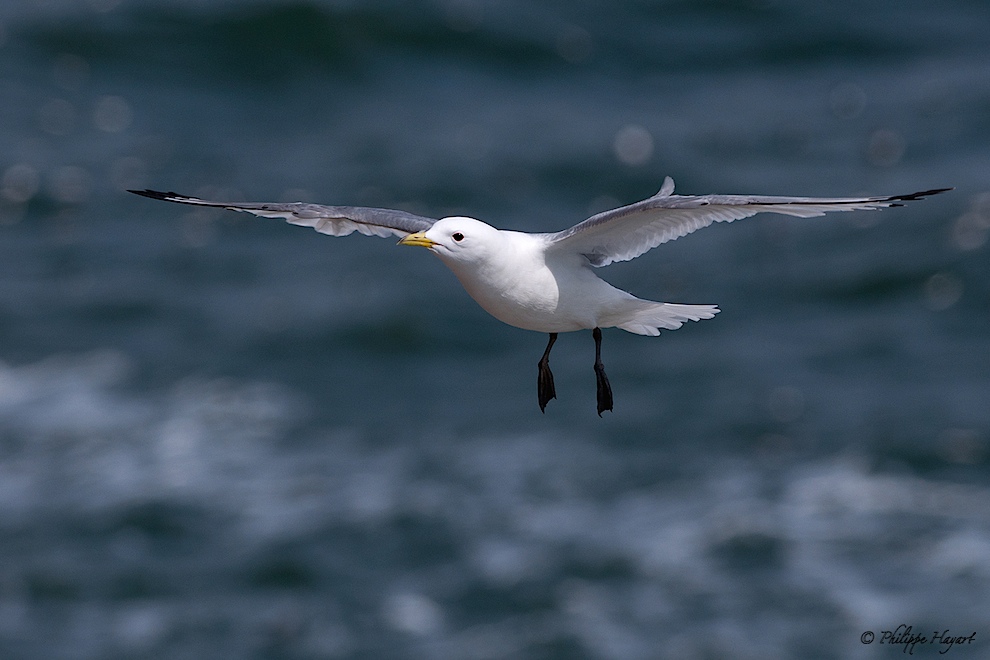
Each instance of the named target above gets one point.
<point>332,220</point>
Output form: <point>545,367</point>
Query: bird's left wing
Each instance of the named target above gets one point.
<point>629,231</point>
<point>332,220</point>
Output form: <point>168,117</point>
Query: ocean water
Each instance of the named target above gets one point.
<point>226,437</point>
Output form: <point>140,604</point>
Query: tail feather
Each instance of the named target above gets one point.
<point>650,317</point>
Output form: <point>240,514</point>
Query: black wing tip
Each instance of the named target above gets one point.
<point>156,194</point>
<point>911,197</point>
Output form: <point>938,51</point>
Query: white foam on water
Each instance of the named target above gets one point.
<point>76,438</point>
<point>536,511</point>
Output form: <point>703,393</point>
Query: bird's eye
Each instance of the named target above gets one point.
<point>457,236</point>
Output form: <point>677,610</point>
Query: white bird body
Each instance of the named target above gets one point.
<point>505,272</point>
<point>546,282</point>
<point>519,280</point>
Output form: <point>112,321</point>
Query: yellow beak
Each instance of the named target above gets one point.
<point>419,238</point>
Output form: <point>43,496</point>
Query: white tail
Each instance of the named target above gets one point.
<point>652,316</point>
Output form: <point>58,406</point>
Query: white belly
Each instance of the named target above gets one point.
<point>544,301</point>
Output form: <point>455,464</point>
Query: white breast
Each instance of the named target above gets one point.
<point>517,285</point>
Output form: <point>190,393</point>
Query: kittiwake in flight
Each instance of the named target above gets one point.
<point>546,282</point>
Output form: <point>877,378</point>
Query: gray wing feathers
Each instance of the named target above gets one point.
<point>629,231</point>
<point>331,220</point>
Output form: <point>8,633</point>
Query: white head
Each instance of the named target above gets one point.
<point>456,239</point>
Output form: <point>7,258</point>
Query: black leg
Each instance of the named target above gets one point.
<point>544,383</point>
<point>604,389</point>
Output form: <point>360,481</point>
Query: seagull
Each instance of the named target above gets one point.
<point>546,282</point>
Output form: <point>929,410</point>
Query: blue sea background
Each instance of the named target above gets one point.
<point>227,437</point>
